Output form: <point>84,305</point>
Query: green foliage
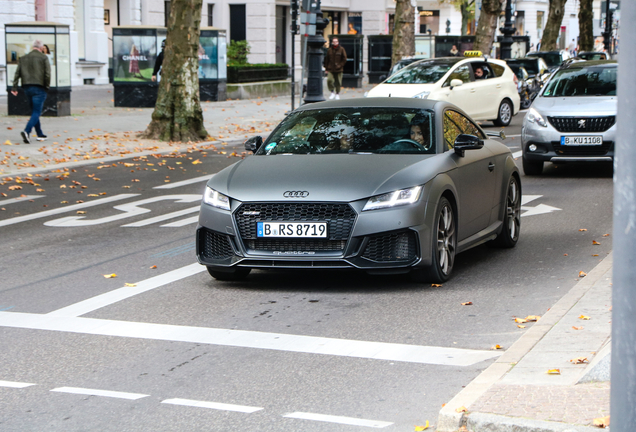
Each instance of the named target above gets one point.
<point>237,53</point>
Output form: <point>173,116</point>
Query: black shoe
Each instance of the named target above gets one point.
<point>25,137</point>
<point>41,138</point>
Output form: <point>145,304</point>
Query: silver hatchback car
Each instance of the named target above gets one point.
<point>574,118</point>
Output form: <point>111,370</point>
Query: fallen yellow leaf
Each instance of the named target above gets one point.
<point>584,317</point>
<point>583,229</point>
<point>110,276</point>
<point>421,428</point>
<point>577,328</point>
<point>153,267</point>
<point>601,422</point>
<point>579,360</point>
<point>496,347</point>
<point>467,304</point>
<point>461,409</point>
<point>594,242</point>
<point>81,212</point>
<point>533,318</point>
<point>582,274</point>
<point>521,326</point>
<point>520,320</point>
<point>196,162</point>
<point>605,235</point>
<point>554,371</point>
<point>130,284</point>
<point>436,285</point>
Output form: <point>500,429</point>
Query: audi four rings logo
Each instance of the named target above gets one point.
<point>581,124</point>
<point>295,194</point>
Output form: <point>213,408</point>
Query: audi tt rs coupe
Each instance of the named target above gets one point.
<point>384,185</point>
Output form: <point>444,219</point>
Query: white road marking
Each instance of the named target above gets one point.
<point>183,222</point>
<point>540,209</point>
<point>66,209</point>
<point>123,293</point>
<point>184,182</point>
<point>14,384</point>
<point>517,155</point>
<point>165,217</point>
<point>22,198</point>
<point>105,393</point>
<point>352,421</point>
<point>129,210</point>
<point>212,405</point>
<point>525,199</point>
<point>249,339</point>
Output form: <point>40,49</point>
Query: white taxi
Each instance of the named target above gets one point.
<point>484,88</point>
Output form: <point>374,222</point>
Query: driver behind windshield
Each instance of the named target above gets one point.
<point>341,133</point>
<point>419,131</point>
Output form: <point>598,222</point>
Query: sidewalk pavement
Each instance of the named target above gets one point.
<point>97,131</point>
<point>518,394</point>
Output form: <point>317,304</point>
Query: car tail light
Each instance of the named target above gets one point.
<point>515,79</point>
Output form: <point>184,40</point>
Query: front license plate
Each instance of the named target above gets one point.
<point>582,140</point>
<point>292,229</point>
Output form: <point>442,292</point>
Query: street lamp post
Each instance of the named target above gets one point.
<point>315,57</point>
<point>508,30</point>
<point>607,34</point>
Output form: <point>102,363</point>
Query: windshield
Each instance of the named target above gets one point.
<point>593,56</point>
<point>589,81</point>
<point>551,59</point>
<point>421,73</point>
<point>352,130</point>
<point>530,65</point>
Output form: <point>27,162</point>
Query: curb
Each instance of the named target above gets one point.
<point>450,421</point>
<point>499,423</point>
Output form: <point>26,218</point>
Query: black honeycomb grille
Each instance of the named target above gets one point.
<point>296,245</point>
<point>214,245</point>
<point>340,217</point>
<point>582,124</point>
<point>398,247</point>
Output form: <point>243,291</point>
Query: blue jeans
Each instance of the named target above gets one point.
<point>37,96</point>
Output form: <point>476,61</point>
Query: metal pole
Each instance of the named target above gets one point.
<point>623,388</point>
<point>608,27</point>
<point>293,68</point>
<point>507,30</point>
<point>314,58</point>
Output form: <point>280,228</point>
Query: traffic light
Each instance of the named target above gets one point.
<point>294,5</point>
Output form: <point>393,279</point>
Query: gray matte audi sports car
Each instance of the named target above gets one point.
<point>386,185</point>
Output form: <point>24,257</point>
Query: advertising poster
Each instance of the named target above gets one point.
<point>208,68</point>
<point>19,45</point>
<point>134,58</point>
<point>355,23</point>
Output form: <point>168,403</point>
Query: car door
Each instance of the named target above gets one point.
<point>475,179</point>
<point>486,93</point>
<point>463,96</point>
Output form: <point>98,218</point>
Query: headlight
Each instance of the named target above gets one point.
<point>394,199</point>
<point>534,117</point>
<point>422,95</point>
<point>215,199</point>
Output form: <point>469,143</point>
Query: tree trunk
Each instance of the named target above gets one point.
<point>404,33</point>
<point>177,115</point>
<point>466,15</point>
<point>553,25</point>
<point>487,25</point>
<point>586,28</point>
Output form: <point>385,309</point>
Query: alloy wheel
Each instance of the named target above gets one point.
<point>513,210</point>
<point>446,239</point>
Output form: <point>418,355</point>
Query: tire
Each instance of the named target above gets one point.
<point>443,244</point>
<point>531,168</point>
<point>511,229</point>
<point>526,102</point>
<point>229,274</point>
<point>504,114</point>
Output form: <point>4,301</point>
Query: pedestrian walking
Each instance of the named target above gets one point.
<point>159,62</point>
<point>34,70</point>
<point>334,64</point>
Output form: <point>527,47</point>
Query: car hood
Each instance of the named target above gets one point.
<point>576,106</point>
<point>400,90</point>
<point>341,177</point>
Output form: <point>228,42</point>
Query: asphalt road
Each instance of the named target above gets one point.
<point>168,348</point>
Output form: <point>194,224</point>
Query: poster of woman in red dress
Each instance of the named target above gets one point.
<point>133,66</point>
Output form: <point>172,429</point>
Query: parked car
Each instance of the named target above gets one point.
<point>573,119</point>
<point>592,55</point>
<point>553,59</point>
<point>383,185</point>
<point>403,63</point>
<point>522,85</point>
<point>492,97</point>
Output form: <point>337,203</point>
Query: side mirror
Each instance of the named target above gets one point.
<point>456,83</point>
<point>465,142</point>
<point>254,143</point>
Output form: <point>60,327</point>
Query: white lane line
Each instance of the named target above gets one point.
<point>22,198</point>
<point>525,199</point>
<point>105,393</point>
<point>162,218</point>
<point>249,339</point>
<point>125,292</point>
<point>183,222</point>
<point>66,209</point>
<point>212,405</point>
<point>352,421</point>
<point>517,154</point>
<point>184,182</point>
<point>13,384</point>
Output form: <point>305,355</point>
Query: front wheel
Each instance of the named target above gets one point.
<point>228,274</point>
<point>444,246</point>
<point>509,234</point>
<point>504,115</point>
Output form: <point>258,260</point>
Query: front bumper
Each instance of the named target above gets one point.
<point>381,241</point>
<point>549,149</point>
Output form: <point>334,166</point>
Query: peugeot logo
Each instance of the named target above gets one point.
<point>295,194</point>
<point>582,124</point>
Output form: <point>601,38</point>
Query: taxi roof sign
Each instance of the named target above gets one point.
<point>473,54</point>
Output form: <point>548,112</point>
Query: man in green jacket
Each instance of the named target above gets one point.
<point>334,64</point>
<point>35,71</point>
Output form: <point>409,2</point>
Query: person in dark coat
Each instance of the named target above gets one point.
<point>158,62</point>
<point>334,64</point>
